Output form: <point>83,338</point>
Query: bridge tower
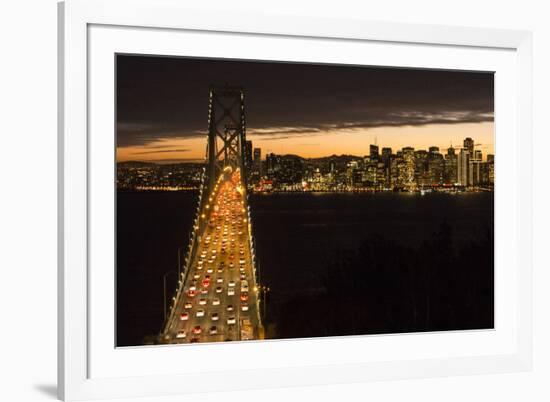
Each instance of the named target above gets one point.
<point>226,132</point>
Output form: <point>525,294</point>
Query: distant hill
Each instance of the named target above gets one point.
<point>323,158</point>
<point>337,158</point>
<point>137,164</point>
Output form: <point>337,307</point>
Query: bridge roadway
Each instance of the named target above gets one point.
<point>215,303</point>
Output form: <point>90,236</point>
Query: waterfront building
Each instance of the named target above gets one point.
<point>451,166</point>
<point>463,166</point>
<point>273,164</point>
<point>491,168</point>
<point>422,177</point>
<point>475,170</point>
<point>408,176</point>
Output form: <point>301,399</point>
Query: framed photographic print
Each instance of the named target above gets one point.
<point>348,200</point>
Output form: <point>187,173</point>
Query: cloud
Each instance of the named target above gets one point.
<point>129,134</point>
<point>167,98</point>
<point>147,134</point>
<point>269,131</point>
<point>393,119</point>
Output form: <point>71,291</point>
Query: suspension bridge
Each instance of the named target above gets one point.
<point>217,297</point>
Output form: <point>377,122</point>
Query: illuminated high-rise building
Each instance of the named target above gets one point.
<point>491,168</point>
<point>386,160</point>
<point>422,176</point>
<point>353,174</point>
<point>474,170</point>
<point>374,153</point>
<point>273,164</point>
<point>451,166</point>
<point>436,167</point>
<point>397,168</point>
<point>248,155</point>
<point>257,163</point>
<point>257,156</point>
<point>469,145</point>
<point>463,167</point>
<point>408,176</point>
<point>386,154</point>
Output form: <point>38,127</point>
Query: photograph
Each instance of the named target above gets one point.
<point>269,200</point>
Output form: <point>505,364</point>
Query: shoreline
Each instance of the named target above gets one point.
<point>452,192</point>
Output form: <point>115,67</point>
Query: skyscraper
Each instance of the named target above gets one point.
<point>386,160</point>
<point>469,145</point>
<point>257,157</point>
<point>374,153</point>
<point>273,164</point>
<point>397,167</point>
<point>422,176</point>
<point>248,155</point>
<point>474,171</point>
<point>436,167</point>
<point>257,163</point>
<point>386,154</point>
<point>408,169</point>
<point>451,166</point>
<point>491,168</point>
<point>463,167</point>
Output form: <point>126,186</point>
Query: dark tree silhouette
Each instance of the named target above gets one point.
<point>385,287</point>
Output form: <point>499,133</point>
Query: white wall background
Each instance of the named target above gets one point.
<point>28,199</point>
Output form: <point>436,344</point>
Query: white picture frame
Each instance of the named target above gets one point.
<point>77,329</point>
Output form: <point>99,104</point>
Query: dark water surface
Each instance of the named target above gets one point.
<point>150,229</point>
<point>317,255</point>
<point>296,233</point>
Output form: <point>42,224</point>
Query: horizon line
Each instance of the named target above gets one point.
<point>204,161</point>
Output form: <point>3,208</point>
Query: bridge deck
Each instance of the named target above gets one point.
<point>215,297</point>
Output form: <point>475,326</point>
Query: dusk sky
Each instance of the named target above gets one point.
<point>303,109</point>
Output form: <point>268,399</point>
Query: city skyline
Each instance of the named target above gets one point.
<point>304,109</point>
<point>407,169</point>
<point>442,149</point>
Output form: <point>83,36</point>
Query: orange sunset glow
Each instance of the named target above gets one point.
<point>307,110</point>
<point>315,144</point>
